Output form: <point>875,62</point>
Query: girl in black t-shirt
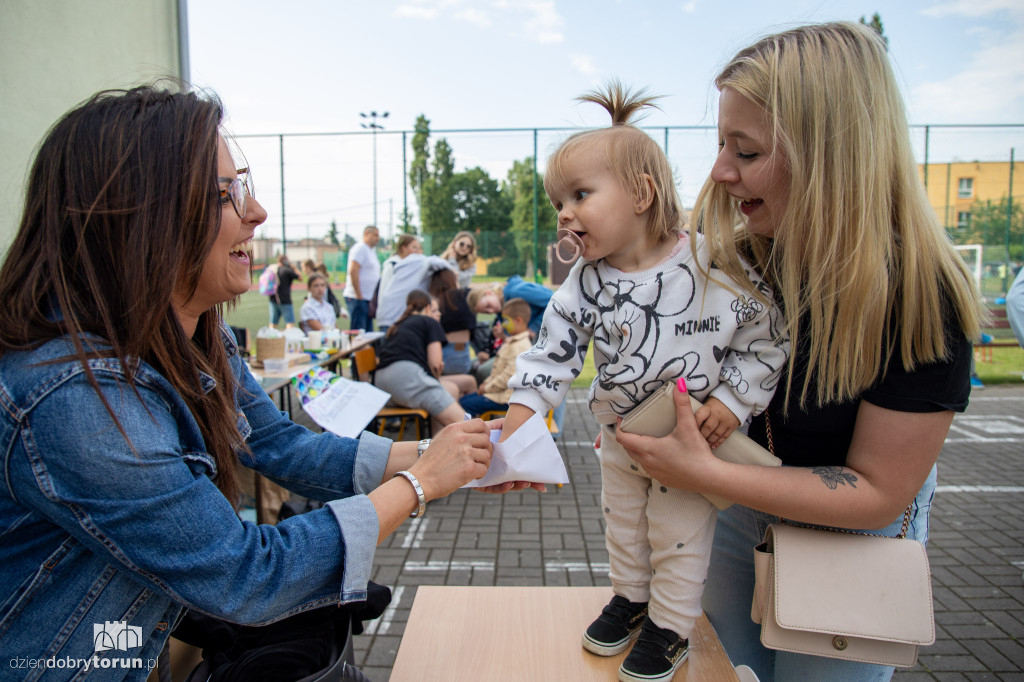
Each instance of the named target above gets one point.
<point>458,322</point>
<point>411,365</point>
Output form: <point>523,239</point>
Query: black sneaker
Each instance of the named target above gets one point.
<point>657,654</point>
<point>616,627</point>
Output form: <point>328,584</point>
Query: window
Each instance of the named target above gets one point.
<point>963,219</point>
<point>966,189</point>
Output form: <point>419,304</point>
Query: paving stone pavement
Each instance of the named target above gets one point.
<point>976,549</point>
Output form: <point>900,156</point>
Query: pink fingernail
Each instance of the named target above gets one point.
<point>681,385</point>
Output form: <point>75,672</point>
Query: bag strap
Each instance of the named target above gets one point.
<point>906,514</point>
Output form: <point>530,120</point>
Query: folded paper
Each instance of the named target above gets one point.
<point>530,454</point>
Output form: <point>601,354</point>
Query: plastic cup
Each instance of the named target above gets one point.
<point>275,365</point>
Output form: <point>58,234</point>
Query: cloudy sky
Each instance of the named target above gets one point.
<point>315,65</point>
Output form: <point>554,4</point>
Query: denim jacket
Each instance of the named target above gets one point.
<point>102,545</point>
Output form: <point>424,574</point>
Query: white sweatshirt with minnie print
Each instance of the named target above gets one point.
<point>651,327</point>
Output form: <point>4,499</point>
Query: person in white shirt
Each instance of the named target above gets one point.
<point>361,280</point>
<point>316,313</point>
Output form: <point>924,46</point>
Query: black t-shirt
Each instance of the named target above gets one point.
<point>458,317</point>
<point>821,435</point>
<point>285,277</point>
<point>410,340</point>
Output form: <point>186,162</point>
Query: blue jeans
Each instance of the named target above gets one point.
<point>359,314</point>
<point>279,311</point>
<point>730,590</point>
<point>456,361</point>
<point>476,404</point>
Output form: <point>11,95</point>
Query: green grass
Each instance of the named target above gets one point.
<point>1006,367</point>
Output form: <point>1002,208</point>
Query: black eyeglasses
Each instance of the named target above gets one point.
<point>239,187</point>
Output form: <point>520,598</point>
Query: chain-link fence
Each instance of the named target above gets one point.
<point>313,184</point>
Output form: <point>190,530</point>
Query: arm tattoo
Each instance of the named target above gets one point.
<point>835,476</point>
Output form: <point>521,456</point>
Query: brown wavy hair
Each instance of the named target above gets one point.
<point>121,211</point>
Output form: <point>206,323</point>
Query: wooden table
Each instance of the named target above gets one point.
<point>508,634</point>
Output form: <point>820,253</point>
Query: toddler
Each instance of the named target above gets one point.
<point>656,310</point>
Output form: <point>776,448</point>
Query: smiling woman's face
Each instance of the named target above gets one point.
<point>750,165</point>
<point>225,272</point>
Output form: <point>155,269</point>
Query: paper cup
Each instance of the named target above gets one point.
<point>313,340</point>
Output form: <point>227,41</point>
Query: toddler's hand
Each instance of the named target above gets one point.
<point>716,421</point>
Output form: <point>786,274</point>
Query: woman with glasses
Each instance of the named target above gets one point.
<point>461,254</point>
<point>129,415</point>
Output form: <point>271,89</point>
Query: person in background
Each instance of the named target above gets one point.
<point>408,272</point>
<point>361,279</point>
<point>488,299</point>
<point>316,313</point>
<point>410,365</point>
<point>494,393</point>
<point>879,308</point>
<point>457,320</point>
<point>308,268</point>
<point>405,244</point>
<point>281,301</point>
<point>461,255</point>
<point>128,427</point>
<point>339,311</point>
<point>1015,306</point>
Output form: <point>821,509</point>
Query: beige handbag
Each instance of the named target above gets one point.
<point>656,416</point>
<point>842,594</point>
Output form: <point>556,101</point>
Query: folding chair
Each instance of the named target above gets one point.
<point>364,363</point>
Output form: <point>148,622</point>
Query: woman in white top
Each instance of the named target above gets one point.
<point>316,313</point>
<point>407,270</point>
<point>461,255</point>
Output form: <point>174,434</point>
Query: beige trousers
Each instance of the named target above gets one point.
<point>658,539</point>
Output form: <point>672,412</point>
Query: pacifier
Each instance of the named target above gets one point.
<point>571,241</point>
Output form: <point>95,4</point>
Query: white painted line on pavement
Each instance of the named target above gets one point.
<point>575,566</point>
<point>448,565</point>
<point>414,536</point>
<point>572,566</point>
<point>381,626</point>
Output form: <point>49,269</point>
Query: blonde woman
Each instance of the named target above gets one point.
<point>815,182</point>
<point>461,255</point>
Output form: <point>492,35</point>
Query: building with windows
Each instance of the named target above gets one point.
<point>954,188</point>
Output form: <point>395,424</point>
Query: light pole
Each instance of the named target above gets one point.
<point>374,126</point>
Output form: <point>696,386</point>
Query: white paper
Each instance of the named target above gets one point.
<point>530,454</point>
<point>347,406</point>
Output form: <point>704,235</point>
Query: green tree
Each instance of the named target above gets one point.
<point>332,234</point>
<point>876,24</point>
<point>418,169</point>
<point>991,225</point>
<point>479,203</point>
<point>519,187</point>
<point>437,210</point>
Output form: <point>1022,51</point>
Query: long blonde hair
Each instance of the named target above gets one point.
<point>631,154</point>
<point>859,252</point>
<point>467,260</point>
